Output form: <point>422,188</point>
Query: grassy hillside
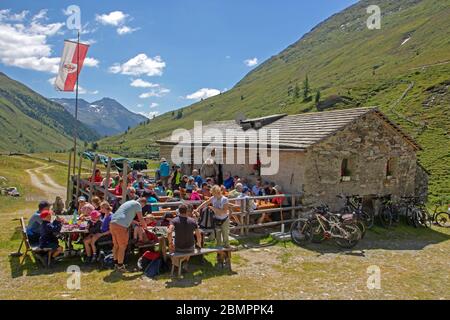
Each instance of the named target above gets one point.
<point>30,122</point>
<point>403,68</point>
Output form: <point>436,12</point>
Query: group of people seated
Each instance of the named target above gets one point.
<point>117,220</point>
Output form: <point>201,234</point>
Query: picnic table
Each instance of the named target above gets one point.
<point>260,205</point>
<point>68,229</point>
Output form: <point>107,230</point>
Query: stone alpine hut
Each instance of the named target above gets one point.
<point>323,154</point>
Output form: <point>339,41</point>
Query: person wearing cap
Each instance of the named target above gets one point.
<point>86,210</point>
<point>277,200</point>
<point>49,231</point>
<point>81,202</point>
<point>164,172</point>
<point>121,220</point>
<point>34,224</point>
<point>94,228</point>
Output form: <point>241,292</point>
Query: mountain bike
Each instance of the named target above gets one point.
<point>323,225</point>
<point>415,212</point>
<point>441,218</point>
<point>353,204</point>
<point>388,212</point>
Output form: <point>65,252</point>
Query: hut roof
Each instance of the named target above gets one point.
<point>298,131</point>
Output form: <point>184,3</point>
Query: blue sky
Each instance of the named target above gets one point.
<point>154,56</point>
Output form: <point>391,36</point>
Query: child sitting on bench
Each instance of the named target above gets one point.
<point>94,227</point>
<point>49,230</point>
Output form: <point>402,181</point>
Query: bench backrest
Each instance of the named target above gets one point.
<point>24,233</point>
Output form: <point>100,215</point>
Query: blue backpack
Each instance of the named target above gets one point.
<point>152,269</point>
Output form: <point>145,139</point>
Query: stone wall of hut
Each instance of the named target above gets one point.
<point>367,144</point>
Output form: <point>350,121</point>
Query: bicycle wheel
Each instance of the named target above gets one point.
<point>415,217</point>
<point>301,232</point>
<point>347,235</point>
<point>424,218</point>
<point>317,232</point>
<point>443,219</point>
<point>368,219</point>
<point>409,217</point>
<point>361,226</point>
<point>385,216</point>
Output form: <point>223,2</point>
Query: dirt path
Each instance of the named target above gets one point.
<point>45,183</point>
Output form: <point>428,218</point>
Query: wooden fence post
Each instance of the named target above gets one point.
<point>125,182</point>
<point>247,217</point>
<point>69,189</point>
<point>108,176</point>
<point>92,179</point>
<point>242,217</point>
<point>79,174</point>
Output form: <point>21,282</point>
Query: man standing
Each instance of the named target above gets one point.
<point>120,222</point>
<point>164,172</point>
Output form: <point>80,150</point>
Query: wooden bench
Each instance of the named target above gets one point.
<point>34,250</point>
<point>177,258</point>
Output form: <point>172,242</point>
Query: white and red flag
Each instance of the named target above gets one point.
<point>70,66</point>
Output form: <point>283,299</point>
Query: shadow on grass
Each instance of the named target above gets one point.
<point>400,237</point>
<point>200,268</point>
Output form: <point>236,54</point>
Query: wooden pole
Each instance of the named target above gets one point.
<point>79,175</point>
<point>108,176</point>
<point>75,128</point>
<point>242,215</point>
<point>293,205</point>
<point>69,189</point>
<point>247,217</point>
<point>92,181</point>
<point>125,182</point>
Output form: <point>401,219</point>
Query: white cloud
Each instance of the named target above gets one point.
<point>114,18</point>
<point>52,81</point>
<point>126,30</point>
<point>158,93</point>
<point>91,62</point>
<point>140,105</point>
<point>6,15</point>
<point>139,65</point>
<point>139,83</point>
<point>82,90</point>
<point>251,62</point>
<point>203,93</point>
<point>89,41</point>
<point>40,15</point>
<point>150,114</point>
<point>26,46</point>
<point>153,105</point>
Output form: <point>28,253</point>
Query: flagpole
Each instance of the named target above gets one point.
<point>76,107</point>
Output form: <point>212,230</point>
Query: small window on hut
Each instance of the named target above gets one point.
<point>390,163</point>
<point>345,170</point>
